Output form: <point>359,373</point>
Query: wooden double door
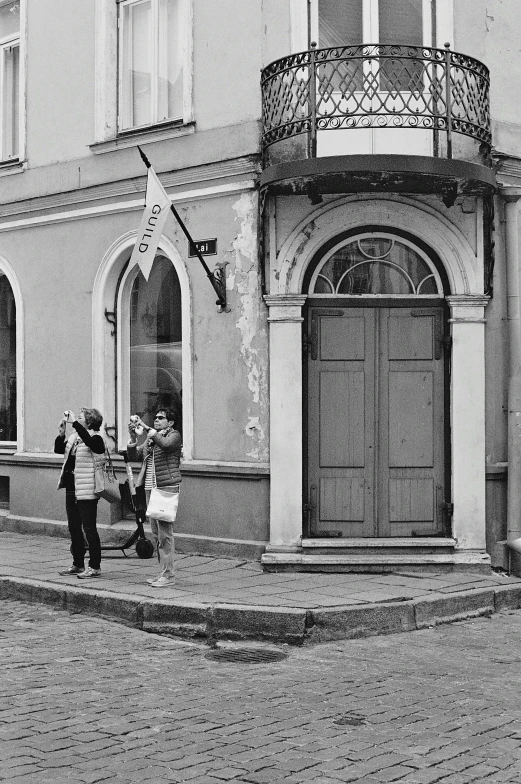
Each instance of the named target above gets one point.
<point>376,420</point>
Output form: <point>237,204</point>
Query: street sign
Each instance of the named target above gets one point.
<point>205,248</point>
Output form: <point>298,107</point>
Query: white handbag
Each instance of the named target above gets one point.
<point>163,505</point>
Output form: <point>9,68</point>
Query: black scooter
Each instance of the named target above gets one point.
<point>130,498</point>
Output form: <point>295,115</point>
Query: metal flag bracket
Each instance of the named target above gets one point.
<point>217,278</point>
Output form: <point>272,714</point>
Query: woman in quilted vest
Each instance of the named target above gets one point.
<point>84,449</point>
<point>161,454</point>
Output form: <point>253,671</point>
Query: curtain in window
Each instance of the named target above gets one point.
<point>155,341</point>
<point>7,361</point>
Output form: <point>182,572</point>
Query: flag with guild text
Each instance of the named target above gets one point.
<point>157,208</point>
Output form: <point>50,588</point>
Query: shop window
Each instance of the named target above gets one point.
<point>155,377</point>
<point>7,362</point>
<point>151,62</point>
<point>10,79</point>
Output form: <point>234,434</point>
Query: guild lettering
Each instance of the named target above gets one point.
<point>143,247</point>
<point>156,209</point>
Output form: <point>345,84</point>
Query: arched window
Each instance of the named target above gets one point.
<point>155,377</point>
<point>8,430</point>
<point>376,264</point>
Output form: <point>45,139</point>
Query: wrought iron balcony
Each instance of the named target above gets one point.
<point>376,86</point>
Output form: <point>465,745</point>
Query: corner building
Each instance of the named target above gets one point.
<point>353,167</point>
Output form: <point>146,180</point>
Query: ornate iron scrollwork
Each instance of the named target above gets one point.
<point>376,86</point>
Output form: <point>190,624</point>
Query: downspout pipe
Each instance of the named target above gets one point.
<point>513,260</point>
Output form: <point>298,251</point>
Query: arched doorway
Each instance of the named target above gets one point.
<point>375,378</point>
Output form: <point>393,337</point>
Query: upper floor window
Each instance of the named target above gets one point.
<point>10,79</point>
<point>339,23</point>
<point>151,62</point>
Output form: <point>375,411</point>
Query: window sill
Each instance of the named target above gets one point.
<point>11,166</point>
<point>143,136</point>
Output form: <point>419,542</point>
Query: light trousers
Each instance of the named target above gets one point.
<point>163,539</point>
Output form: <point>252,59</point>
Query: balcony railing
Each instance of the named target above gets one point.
<point>376,86</point>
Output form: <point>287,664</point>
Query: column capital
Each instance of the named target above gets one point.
<point>467,307</point>
<point>285,307</point>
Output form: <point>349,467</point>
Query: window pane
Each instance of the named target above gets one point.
<point>9,19</point>
<point>400,22</point>
<point>155,341</point>
<point>137,65</point>
<point>170,87</point>
<point>7,362</point>
<point>340,23</point>
<point>376,265</point>
<point>10,108</point>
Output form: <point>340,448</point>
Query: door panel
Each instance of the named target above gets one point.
<point>342,439</point>
<point>410,419</point>
<point>411,500</point>
<point>410,340</point>
<point>376,386</point>
<point>342,499</point>
<point>342,339</point>
<point>341,420</point>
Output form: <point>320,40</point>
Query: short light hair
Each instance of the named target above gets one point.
<point>93,418</point>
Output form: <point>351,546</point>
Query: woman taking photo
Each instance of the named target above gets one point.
<point>82,451</point>
<point>161,454</point>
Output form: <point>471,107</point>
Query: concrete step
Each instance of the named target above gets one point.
<point>410,546</point>
<point>375,561</point>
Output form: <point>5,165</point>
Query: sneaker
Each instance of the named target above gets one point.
<point>162,582</point>
<point>72,570</point>
<point>151,580</point>
<point>89,572</point>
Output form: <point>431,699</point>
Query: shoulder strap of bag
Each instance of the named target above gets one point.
<point>109,467</point>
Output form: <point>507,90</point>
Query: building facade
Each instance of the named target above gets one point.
<point>352,169</point>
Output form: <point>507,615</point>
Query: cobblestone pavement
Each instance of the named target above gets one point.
<point>86,700</point>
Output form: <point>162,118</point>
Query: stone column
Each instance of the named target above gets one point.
<point>285,320</point>
<point>468,419</point>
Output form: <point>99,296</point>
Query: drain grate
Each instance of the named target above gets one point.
<point>246,655</point>
<point>351,720</point>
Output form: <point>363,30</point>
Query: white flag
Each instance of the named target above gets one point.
<point>157,207</point>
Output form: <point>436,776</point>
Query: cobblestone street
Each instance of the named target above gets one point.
<point>88,700</point>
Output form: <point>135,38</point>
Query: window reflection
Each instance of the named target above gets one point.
<point>376,265</point>
<point>155,341</point>
<point>7,361</point>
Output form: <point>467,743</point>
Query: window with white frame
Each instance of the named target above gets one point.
<point>10,80</point>
<point>152,54</point>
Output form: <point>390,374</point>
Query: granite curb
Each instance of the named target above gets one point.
<point>212,622</point>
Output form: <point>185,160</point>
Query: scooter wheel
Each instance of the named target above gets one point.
<point>144,548</point>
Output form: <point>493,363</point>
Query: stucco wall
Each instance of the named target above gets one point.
<point>489,30</point>
<point>56,266</point>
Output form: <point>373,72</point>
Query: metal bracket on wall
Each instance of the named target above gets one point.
<point>111,318</point>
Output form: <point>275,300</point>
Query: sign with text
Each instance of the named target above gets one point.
<point>205,248</point>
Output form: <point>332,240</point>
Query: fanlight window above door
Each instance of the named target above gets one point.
<point>376,264</point>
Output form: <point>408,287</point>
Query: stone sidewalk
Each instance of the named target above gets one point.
<point>220,598</point>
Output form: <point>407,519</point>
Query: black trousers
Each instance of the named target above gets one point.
<point>81,518</point>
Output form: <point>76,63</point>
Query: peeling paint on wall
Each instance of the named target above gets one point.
<point>244,279</point>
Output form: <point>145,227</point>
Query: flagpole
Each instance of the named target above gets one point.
<point>216,278</point>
